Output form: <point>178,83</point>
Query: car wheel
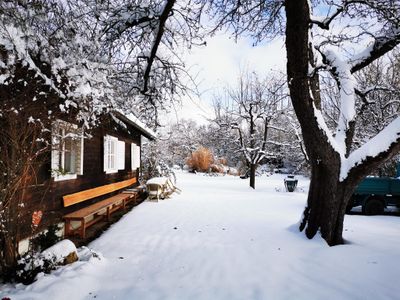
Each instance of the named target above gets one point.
<point>373,206</point>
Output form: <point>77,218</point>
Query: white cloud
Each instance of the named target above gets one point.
<point>222,59</point>
<point>219,63</point>
<point>192,108</point>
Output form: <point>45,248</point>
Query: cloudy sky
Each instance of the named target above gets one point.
<point>219,63</point>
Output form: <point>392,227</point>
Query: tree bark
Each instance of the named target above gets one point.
<point>327,202</point>
<point>253,168</point>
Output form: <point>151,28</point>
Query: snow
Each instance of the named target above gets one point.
<point>136,122</point>
<point>220,239</point>
<point>157,180</point>
<point>347,84</point>
<point>60,250</point>
<point>378,144</point>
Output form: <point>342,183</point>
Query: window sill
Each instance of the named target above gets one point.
<point>65,177</point>
<point>111,171</point>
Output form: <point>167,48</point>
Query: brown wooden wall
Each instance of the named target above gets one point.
<point>47,196</point>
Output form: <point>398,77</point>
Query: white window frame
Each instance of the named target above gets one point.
<point>110,156</point>
<point>55,153</point>
<point>135,156</point>
<point>120,155</point>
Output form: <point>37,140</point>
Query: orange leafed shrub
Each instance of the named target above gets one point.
<point>200,160</point>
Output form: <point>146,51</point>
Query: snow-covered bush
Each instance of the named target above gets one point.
<point>33,263</point>
<point>164,170</point>
<point>232,171</point>
<point>218,168</point>
<point>154,165</point>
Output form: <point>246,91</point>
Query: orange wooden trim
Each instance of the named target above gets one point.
<point>81,196</point>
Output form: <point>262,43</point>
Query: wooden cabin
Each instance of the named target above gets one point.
<point>80,168</point>
<point>85,168</point>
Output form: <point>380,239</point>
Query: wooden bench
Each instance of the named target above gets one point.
<point>93,213</point>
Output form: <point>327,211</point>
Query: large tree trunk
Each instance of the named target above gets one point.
<point>327,198</point>
<point>253,168</point>
<point>327,202</point>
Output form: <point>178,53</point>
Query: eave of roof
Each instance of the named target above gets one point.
<point>135,122</point>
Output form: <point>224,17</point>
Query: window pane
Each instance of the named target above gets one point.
<point>67,162</point>
<point>69,155</point>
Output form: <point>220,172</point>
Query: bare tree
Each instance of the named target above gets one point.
<point>24,145</point>
<point>252,105</point>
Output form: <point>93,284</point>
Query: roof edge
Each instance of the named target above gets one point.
<point>135,122</point>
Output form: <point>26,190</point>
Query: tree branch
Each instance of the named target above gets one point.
<point>161,27</point>
<point>381,46</point>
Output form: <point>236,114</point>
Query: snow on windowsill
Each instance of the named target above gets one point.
<point>111,171</point>
<point>65,177</point>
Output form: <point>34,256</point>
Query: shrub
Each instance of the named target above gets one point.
<point>32,264</point>
<point>223,161</point>
<point>46,239</point>
<point>217,168</point>
<point>200,160</point>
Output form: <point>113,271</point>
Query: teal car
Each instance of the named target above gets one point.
<point>374,194</point>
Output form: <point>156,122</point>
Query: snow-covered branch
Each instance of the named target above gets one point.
<point>347,85</point>
<point>384,142</point>
<point>381,45</point>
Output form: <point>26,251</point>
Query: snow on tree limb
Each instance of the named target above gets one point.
<point>389,137</point>
<point>347,84</point>
<point>380,47</point>
<point>16,43</point>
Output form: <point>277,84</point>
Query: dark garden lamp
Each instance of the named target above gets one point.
<point>290,183</point>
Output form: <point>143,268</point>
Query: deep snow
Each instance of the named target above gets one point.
<point>219,239</point>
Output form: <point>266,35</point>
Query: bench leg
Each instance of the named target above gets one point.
<point>67,227</point>
<point>124,203</point>
<point>83,228</point>
<point>108,214</point>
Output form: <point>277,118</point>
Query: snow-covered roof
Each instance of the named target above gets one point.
<point>135,122</point>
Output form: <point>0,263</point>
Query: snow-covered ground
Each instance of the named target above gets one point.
<point>219,239</point>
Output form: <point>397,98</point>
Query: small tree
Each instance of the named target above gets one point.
<point>252,106</point>
<point>22,153</point>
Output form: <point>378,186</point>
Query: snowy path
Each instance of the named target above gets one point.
<point>221,240</point>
